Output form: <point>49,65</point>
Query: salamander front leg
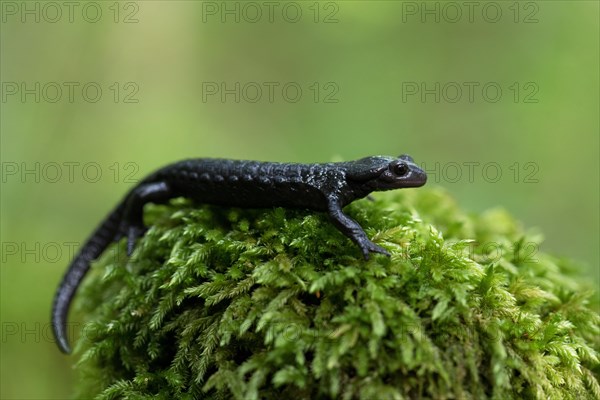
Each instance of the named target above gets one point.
<point>133,218</point>
<point>353,230</point>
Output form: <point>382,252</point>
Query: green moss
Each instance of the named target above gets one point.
<point>273,304</point>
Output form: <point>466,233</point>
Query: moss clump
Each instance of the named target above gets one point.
<point>274,304</point>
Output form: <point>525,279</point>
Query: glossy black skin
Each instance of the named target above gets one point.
<point>252,184</point>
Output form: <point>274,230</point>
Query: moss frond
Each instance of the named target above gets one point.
<point>223,303</point>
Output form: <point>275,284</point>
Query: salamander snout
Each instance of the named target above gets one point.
<point>402,173</point>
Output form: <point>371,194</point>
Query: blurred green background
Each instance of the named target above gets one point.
<point>375,78</point>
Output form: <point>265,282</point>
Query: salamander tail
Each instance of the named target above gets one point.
<point>95,245</point>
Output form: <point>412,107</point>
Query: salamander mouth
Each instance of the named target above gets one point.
<point>414,183</point>
<point>404,183</point>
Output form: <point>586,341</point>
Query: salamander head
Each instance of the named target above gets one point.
<point>385,173</point>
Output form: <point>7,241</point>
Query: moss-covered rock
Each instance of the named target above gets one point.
<point>274,304</point>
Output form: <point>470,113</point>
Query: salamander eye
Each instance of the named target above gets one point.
<point>400,169</point>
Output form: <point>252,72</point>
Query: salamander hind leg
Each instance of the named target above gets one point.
<point>353,230</point>
<point>132,224</point>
